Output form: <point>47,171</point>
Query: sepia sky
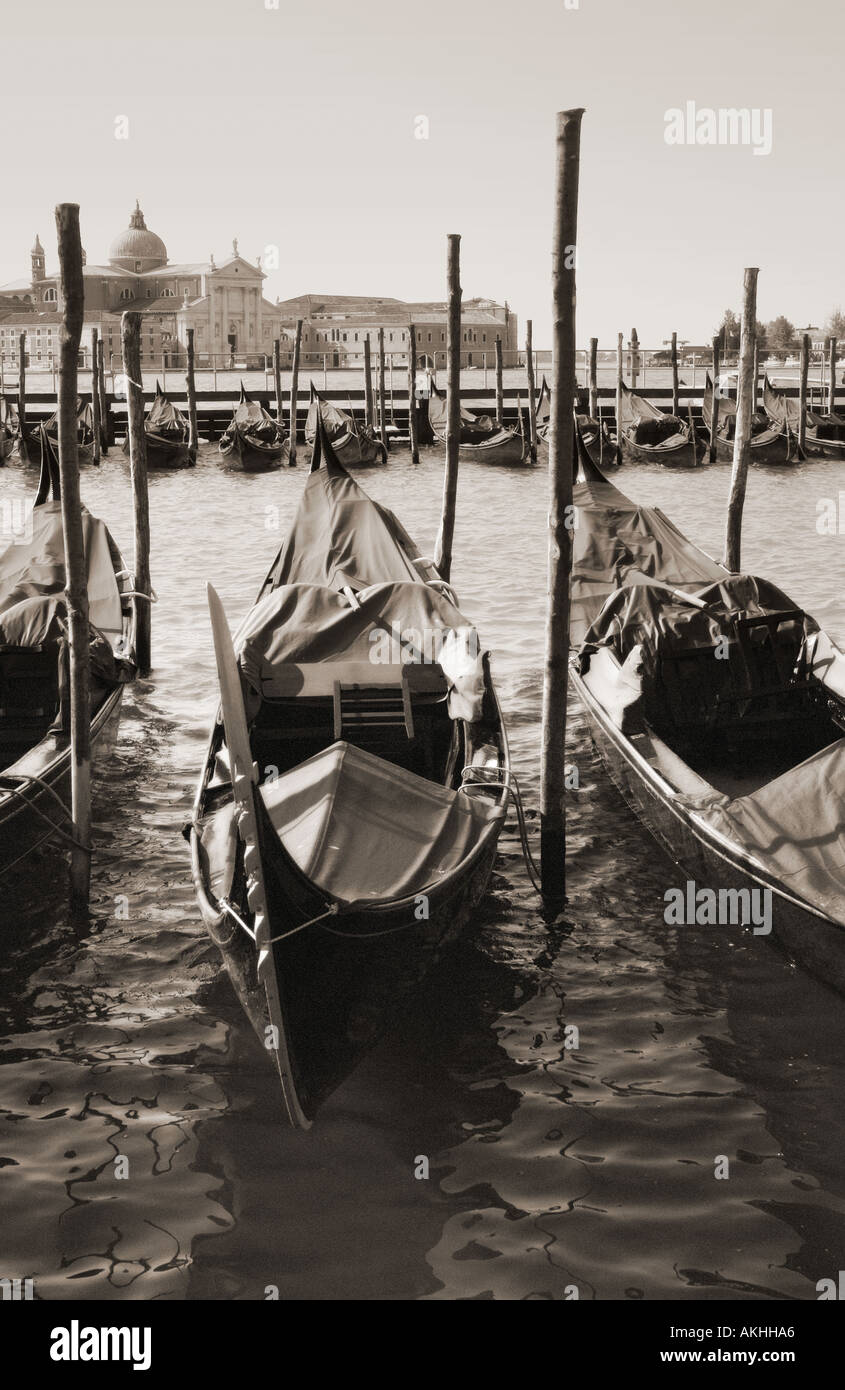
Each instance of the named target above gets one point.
<point>295,127</point>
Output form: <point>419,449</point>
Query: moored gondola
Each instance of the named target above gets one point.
<point>769,444</point>
<point>28,440</point>
<point>35,746</point>
<point>824,433</point>
<point>354,788</point>
<point>254,441</point>
<point>481,439</point>
<point>646,435</point>
<point>736,765</point>
<point>167,435</point>
<point>594,433</point>
<point>354,445</point>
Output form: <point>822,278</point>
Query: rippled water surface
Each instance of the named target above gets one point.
<point>549,1167</point>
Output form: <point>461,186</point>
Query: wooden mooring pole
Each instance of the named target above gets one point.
<point>714,414</point>
<point>831,377</point>
<point>277,380</point>
<point>191,388</point>
<point>130,327</point>
<point>443,549</point>
<point>294,391</point>
<point>676,396</point>
<point>369,418</point>
<point>744,412</point>
<point>500,394</point>
<point>561,450</point>
<point>802,392</point>
<point>105,416</point>
<point>619,361</point>
<point>532,394</point>
<point>413,422</point>
<point>594,378</point>
<point>76,573</point>
<point>382,393</point>
<point>22,388</point>
<point>95,400</point>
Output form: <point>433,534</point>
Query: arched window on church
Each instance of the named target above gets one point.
<point>126,294</point>
<point>50,296</point>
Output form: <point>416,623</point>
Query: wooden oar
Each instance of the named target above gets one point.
<point>245,794</point>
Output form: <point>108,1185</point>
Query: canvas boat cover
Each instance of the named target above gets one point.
<point>471,424</point>
<point>336,422</point>
<point>617,542</point>
<point>252,421</point>
<point>795,826</point>
<point>341,538</point>
<point>164,417</point>
<point>32,580</point>
<point>84,419</point>
<point>763,431</point>
<point>392,623</point>
<point>366,831</point>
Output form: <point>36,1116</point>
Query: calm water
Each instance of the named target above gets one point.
<point>549,1167</point>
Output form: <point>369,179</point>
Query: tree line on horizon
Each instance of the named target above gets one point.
<point>779,337</point>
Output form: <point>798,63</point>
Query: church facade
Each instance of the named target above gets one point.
<point>224,304</point>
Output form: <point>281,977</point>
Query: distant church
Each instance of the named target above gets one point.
<point>224,304</point>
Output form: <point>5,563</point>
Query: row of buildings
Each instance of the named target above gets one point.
<point>234,325</point>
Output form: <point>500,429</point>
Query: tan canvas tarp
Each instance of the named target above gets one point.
<point>365,830</point>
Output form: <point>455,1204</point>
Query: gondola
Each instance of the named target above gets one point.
<point>9,428</point>
<point>594,433</point>
<point>770,443</point>
<point>356,446</point>
<point>481,439</point>
<point>646,435</point>
<point>168,435</point>
<point>28,440</point>
<point>35,750</point>
<point>254,441</point>
<point>824,432</point>
<point>736,766</point>
<point>354,788</point>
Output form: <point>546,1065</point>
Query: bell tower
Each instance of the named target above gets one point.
<point>37,256</point>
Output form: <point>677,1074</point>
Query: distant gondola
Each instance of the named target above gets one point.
<point>9,429</point>
<point>35,750</point>
<point>646,435</point>
<point>594,433</point>
<point>481,439</point>
<point>254,441</point>
<point>770,443</point>
<point>28,441</point>
<point>356,446</point>
<point>824,433</point>
<point>168,435</point>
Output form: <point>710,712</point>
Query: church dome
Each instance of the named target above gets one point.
<point>138,248</point>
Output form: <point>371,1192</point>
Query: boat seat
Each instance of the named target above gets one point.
<point>317,679</point>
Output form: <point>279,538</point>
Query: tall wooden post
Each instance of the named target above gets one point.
<point>369,418</point>
<point>619,360</point>
<point>382,392</point>
<point>714,415</point>
<point>130,326</point>
<point>413,422</point>
<point>532,394</point>
<point>76,574</point>
<point>294,390</point>
<point>191,385</point>
<point>561,449</point>
<point>105,416</point>
<point>95,400</point>
<point>676,396</point>
<point>277,380</point>
<point>756,375</point>
<point>22,388</point>
<point>635,357</point>
<point>831,377</point>
<point>744,412</point>
<point>443,549</point>
<point>500,395</point>
<point>802,392</point>
<point>594,378</point>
